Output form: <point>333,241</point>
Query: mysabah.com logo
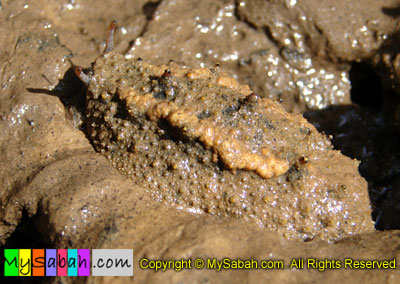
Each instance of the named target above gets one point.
<point>68,262</point>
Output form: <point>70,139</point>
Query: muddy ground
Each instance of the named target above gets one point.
<point>336,62</point>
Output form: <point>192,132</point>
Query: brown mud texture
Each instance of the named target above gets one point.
<point>214,129</point>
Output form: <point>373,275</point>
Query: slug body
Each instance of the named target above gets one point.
<point>200,141</point>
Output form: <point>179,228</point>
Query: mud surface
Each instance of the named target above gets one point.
<point>309,56</point>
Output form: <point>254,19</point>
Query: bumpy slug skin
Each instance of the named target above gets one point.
<point>198,140</point>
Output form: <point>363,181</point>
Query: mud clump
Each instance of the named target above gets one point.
<point>198,140</point>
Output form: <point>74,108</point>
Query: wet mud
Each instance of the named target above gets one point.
<point>108,168</point>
